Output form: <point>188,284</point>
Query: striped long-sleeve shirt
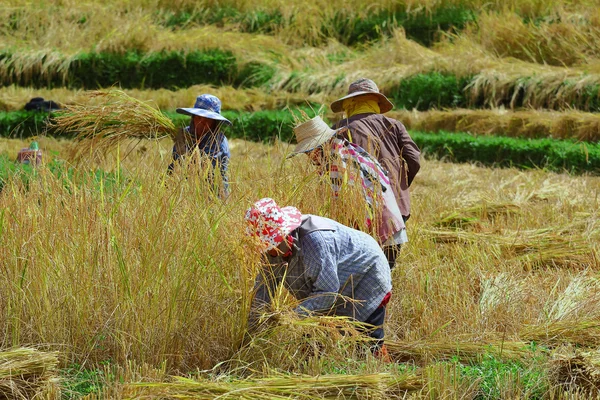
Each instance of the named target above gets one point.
<point>213,145</point>
<point>351,163</point>
<point>330,263</point>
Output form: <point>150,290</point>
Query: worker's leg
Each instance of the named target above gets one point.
<point>376,319</point>
<point>391,253</point>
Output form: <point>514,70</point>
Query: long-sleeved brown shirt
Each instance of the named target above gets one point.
<point>387,140</point>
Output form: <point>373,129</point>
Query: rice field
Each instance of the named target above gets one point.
<point>139,267</point>
<point>123,282</point>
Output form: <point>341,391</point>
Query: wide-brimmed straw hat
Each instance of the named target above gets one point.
<point>311,134</point>
<point>362,87</point>
<point>271,223</point>
<point>207,106</point>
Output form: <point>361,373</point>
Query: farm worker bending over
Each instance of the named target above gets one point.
<point>348,162</point>
<point>204,134</point>
<point>383,137</point>
<point>319,261</point>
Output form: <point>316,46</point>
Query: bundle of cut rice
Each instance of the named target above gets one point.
<point>109,118</point>
<point>369,386</point>
<point>465,351</point>
<point>533,248</point>
<point>25,372</point>
<point>577,370</point>
<point>577,332</point>
<point>474,214</point>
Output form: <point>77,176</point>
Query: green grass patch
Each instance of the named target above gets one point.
<point>165,69</point>
<point>78,382</point>
<point>21,124</point>
<point>433,90</point>
<point>104,181</point>
<point>498,151</point>
<point>255,21</point>
<point>421,26</point>
<point>498,378</point>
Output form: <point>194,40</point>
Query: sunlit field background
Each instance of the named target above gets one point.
<point>119,281</point>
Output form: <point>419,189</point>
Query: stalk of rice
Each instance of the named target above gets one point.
<point>424,351</point>
<point>472,215</point>
<point>285,340</point>
<point>25,372</point>
<point>576,369</point>
<point>281,387</point>
<point>577,332</point>
<point>109,118</point>
<point>533,248</point>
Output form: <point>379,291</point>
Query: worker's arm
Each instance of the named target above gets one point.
<point>224,156</point>
<point>265,284</point>
<point>321,270</point>
<point>410,152</point>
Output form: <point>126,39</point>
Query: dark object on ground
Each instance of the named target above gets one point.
<point>39,104</point>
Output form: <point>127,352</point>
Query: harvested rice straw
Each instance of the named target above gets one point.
<point>474,214</point>
<point>280,387</point>
<point>289,342</point>
<point>535,248</point>
<point>576,369</point>
<point>569,124</point>
<point>576,332</point>
<point>109,118</point>
<point>25,372</point>
<point>424,351</point>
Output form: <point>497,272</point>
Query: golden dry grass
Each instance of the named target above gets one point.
<point>526,123</point>
<point>117,118</point>
<point>563,39</point>
<point>13,98</point>
<point>283,387</point>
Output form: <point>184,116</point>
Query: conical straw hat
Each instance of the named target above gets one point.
<point>311,134</point>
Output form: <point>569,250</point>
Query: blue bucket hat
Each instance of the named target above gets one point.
<point>207,106</point>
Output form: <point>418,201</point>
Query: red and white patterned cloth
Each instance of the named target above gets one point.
<point>271,223</point>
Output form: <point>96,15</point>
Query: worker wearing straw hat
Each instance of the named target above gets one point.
<point>383,137</point>
<point>320,262</point>
<point>204,134</point>
<point>347,162</point>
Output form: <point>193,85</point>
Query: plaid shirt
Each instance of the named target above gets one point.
<point>324,264</point>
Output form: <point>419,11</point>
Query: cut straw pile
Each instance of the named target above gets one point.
<point>576,332</point>
<point>570,124</point>
<point>577,369</point>
<point>281,387</point>
<point>284,340</point>
<point>476,213</point>
<point>109,118</point>
<point>25,372</point>
<point>534,248</point>
<point>425,351</point>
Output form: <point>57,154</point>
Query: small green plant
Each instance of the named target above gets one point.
<point>99,179</point>
<point>78,381</point>
<point>498,377</point>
